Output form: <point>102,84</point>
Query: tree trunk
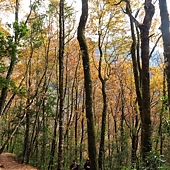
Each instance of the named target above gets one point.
<point>27,113</point>
<point>61,91</point>
<point>82,129</point>
<point>135,137</point>
<point>103,128</point>
<point>88,86</point>
<point>142,74</point>
<point>160,128</point>
<point>53,143</point>
<point>122,120</point>
<point>165,26</point>
<point>137,78</point>
<point>104,111</point>
<point>146,144</point>
<point>76,125</point>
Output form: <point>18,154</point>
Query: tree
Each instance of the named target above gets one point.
<point>146,135</point>
<point>9,49</point>
<point>143,96</point>
<point>29,126</point>
<point>104,70</point>
<point>13,58</point>
<point>88,85</point>
<point>165,28</point>
<point>61,84</point>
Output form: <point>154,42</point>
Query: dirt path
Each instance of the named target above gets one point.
<point>8,162</point>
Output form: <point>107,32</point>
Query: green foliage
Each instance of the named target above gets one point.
<point>166,118</point>
<point>2,67</point>
<point>166,125</point>
<point>7,46</point>
<point>9,43</point>
<point>125,168</point>
<point>164,100</point>
<point>20,29</point>
<point>3,82</point>
<point>36,32</point>
<point>9,51</point>
<point>2,45</point>
<point>51,101</point>
<point>155,160</point>
<point>22,92</point>
<point>37,5</point>
<point>69,11</point>
<point>52,7</point>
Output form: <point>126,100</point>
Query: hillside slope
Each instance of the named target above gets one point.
<point>8,161</point>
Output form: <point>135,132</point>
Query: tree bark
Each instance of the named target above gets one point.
<point>61,91</point>
<point>137,73</point>
<point>88,85</point>
<point>143,95</point>
<point>146,144</point>
<point>104,111</point>
<point>165,26</point>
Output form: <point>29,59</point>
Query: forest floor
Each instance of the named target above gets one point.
<point>8,161</point>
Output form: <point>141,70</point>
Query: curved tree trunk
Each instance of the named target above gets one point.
<point>88,85</point>
<point>104,111</point>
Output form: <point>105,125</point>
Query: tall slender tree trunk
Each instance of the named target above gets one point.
<point>143,95</point>
<point>76,124</point>
<point>134,131</point>
<point>165,26</point>
<point>103,128</point>
<point>137,73</point>
<point>61,84</point>
<point>82,128</point>
<point>146,144</point>
<point>88,85</point>
<point>164,107</point>
<point>53,143</point>
<point>104,111</point>
<point>122,122</point>
<point>27,113</point>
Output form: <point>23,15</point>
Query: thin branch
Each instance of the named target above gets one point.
<point>153,49</point>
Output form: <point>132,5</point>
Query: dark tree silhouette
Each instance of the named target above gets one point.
<point>166,40</point>
<point>141,74</point>
<point>88,85</point>
<point>61,91</point>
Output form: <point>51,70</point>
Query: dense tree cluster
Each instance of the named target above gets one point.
<point>91,81</point>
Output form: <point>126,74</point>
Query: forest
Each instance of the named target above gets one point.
<point>86,79</point>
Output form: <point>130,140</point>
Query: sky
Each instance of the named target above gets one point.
<point>25,10</point>
<point>76,3</point>
<point>9,17</point>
